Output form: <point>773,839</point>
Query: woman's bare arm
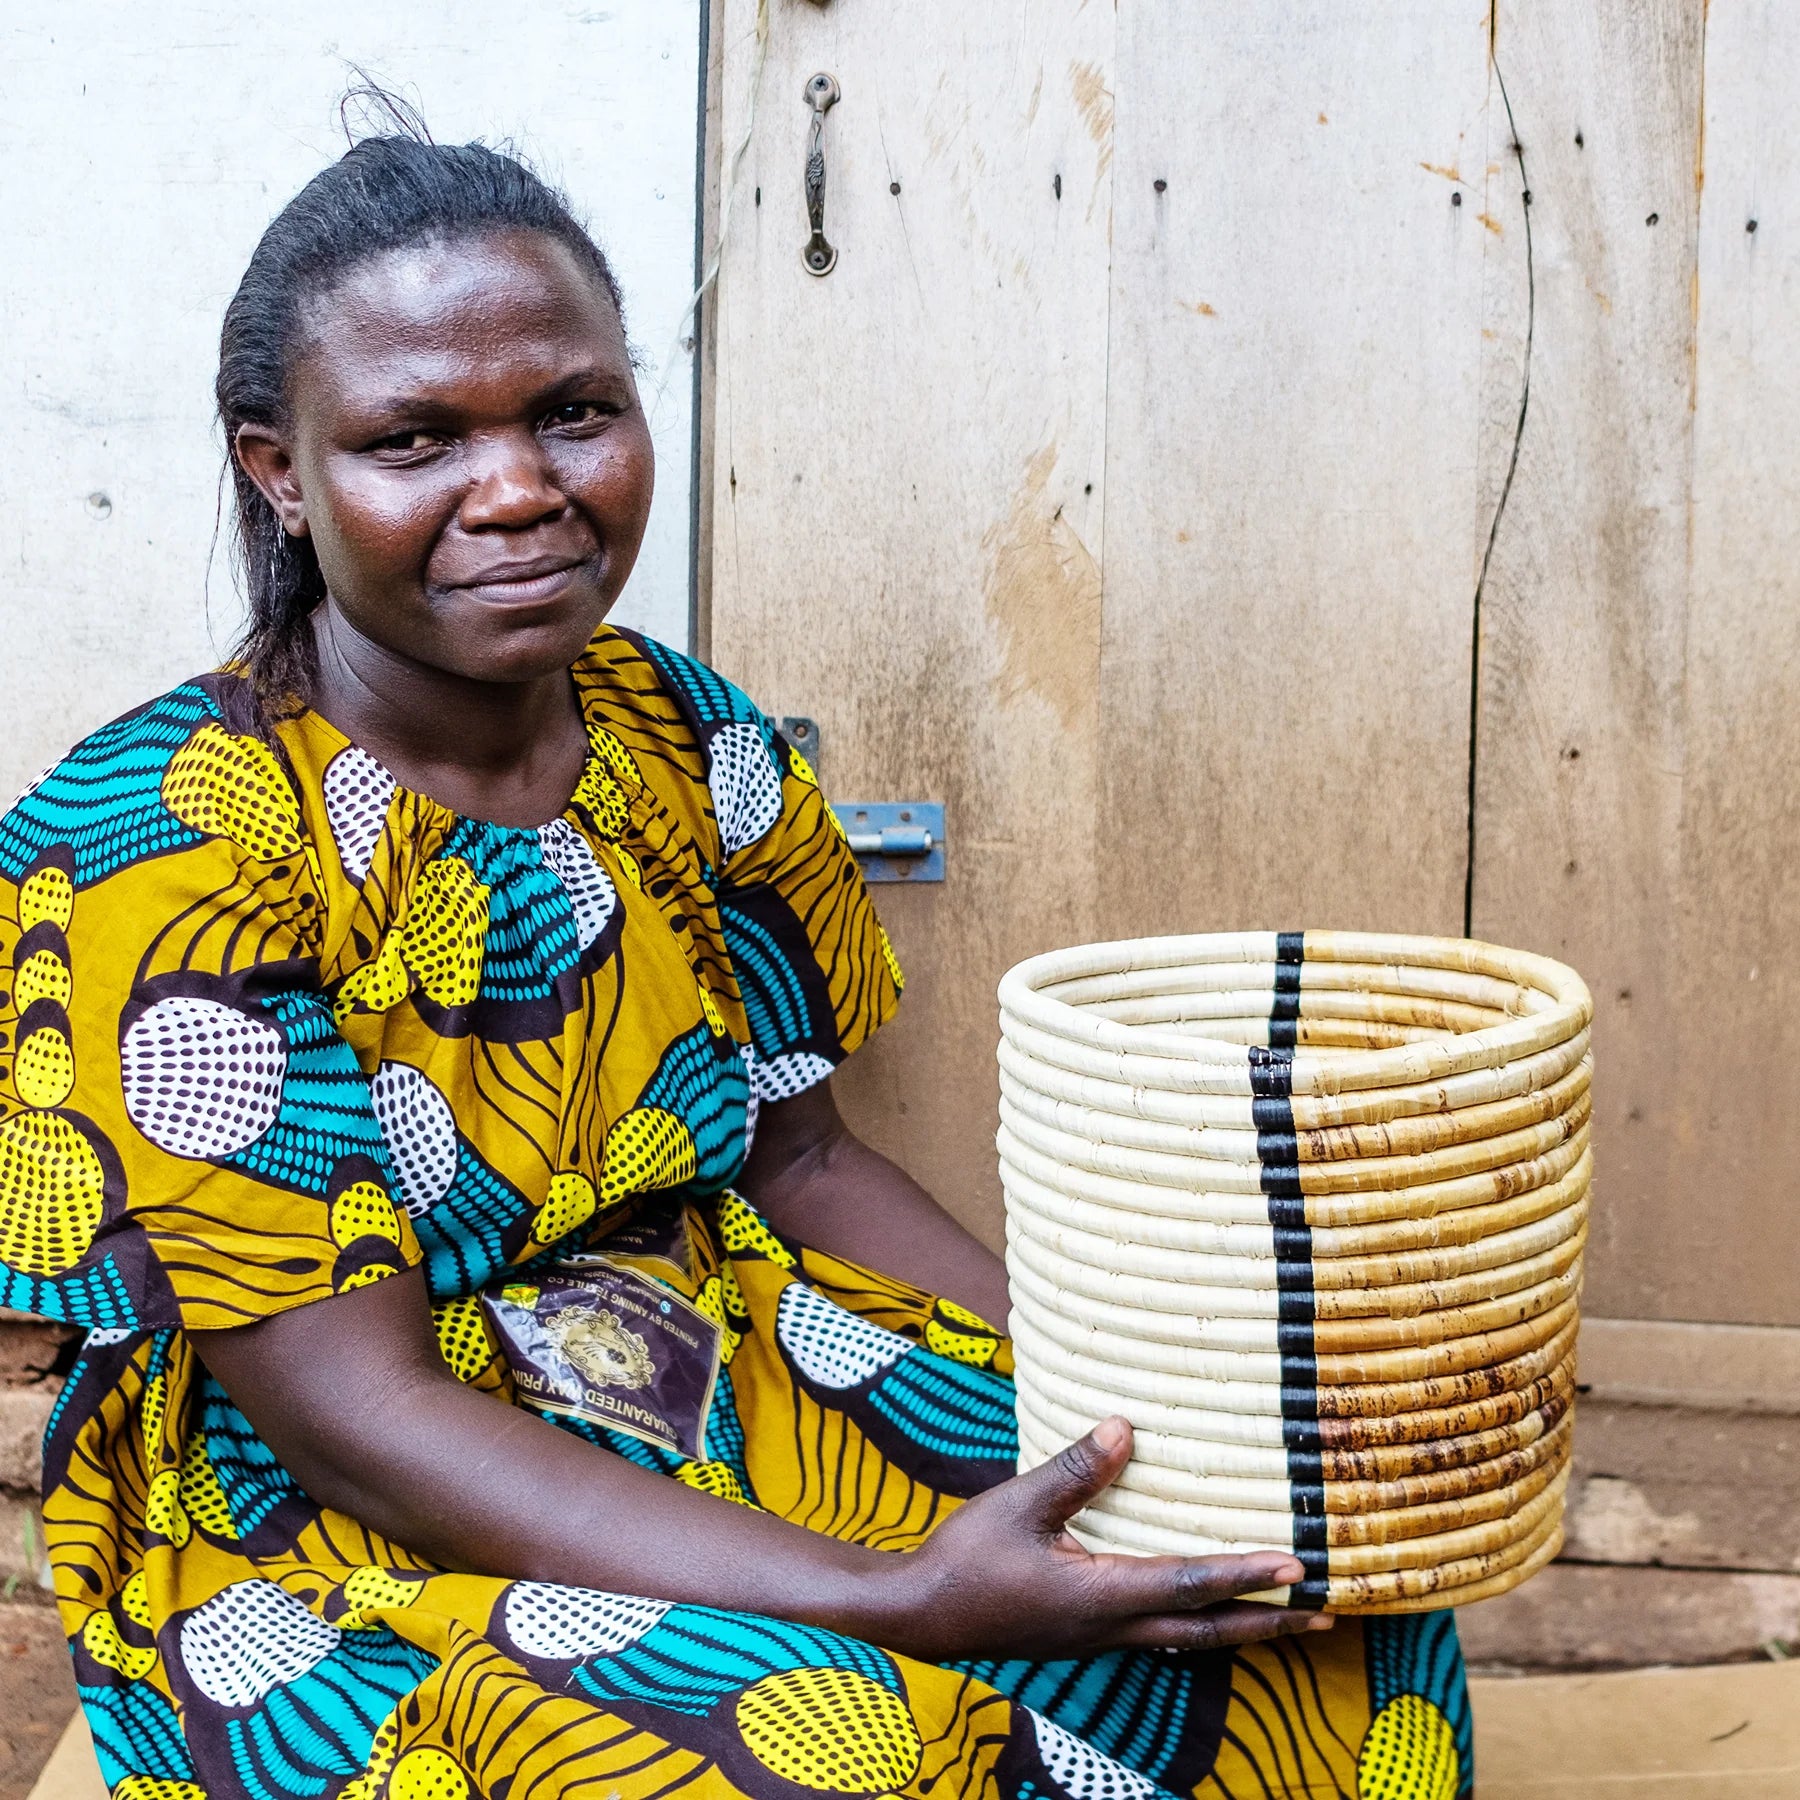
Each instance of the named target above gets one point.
<point>814,1179</point>
<point>354,1399</point>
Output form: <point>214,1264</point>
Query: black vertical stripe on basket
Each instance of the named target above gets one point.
<point>1277,1148</point>
<point>1284,1014</point>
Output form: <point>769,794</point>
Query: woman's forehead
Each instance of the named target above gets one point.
<point>428,313</point>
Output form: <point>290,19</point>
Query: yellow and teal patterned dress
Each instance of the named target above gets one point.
<point>274,1027</point>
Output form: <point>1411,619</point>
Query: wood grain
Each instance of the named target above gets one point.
<point>1718,1235</point>
<point>1291,526</point>
<point>1584,612</point>
<point>907,493</point>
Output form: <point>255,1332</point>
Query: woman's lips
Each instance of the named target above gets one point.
<point>531,584</point>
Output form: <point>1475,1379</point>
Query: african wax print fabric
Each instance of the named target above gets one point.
<point>275,1028</point>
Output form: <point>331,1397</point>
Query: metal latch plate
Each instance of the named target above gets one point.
<point>895,840</point>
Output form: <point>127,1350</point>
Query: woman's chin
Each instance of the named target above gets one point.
<point>519,647</point>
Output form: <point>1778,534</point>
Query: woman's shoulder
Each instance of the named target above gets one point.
<point>650,686</point>
<point>704,746</point>
<point>175,771</point>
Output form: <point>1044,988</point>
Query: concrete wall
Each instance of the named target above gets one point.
<point>142,151</point>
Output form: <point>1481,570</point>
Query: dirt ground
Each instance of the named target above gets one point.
<point>37,1691</point>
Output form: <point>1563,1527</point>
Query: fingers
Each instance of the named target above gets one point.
<point>1236,1622</point>
<point>1053,1492</point>
<point>1168,1584</point>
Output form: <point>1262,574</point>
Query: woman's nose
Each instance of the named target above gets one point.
<point>511,485</point>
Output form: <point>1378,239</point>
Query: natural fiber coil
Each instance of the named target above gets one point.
<point>1310,1210</point>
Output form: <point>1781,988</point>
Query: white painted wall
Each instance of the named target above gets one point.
<point>142,151</point>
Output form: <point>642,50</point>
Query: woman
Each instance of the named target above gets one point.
<point>420,1087</point>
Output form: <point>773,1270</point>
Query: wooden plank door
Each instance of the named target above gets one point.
<point>1119,487</point>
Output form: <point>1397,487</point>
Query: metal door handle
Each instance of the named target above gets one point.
<point>821,94</point>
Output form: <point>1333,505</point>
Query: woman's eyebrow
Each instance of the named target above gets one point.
<point>586,378</point>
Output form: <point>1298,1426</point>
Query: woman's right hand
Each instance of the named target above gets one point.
<point>1002,1577</point>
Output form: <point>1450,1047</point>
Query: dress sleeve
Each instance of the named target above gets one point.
<point>185,1136</point>
<point>814,966</point>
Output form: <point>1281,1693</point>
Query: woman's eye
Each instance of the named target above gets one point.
<point>580,412</point>
<point>404,442</point>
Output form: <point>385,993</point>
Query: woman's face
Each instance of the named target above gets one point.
<point>467,451</point>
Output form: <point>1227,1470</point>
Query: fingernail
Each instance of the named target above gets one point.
<point>1109,1434</point>
<point>1286,1574</point>
<point>1321,1622</point>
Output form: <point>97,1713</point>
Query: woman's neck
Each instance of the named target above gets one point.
<point>509,752</point>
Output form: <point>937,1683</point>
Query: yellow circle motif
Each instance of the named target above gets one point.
<point>202,1498</point>
<point>163,1511</point>
<point>427,1775</point>
<point>150,1413</point>
<point>717,1479</point>
<point>1409,1753</point>
<point>960,1315</point>
<point>373,1587</point>
<point>888,956</point>
<point>463,1337</point>
<point>628,867</point>
<point>49,894</point>
<point>52,1188</point>
<point>570,1202</point>
<point>134,1600</point>
<point>801,769</point>
<point>45,1070</point>
<point>977,1352</point>
<point>232,787</point>
<point>366,1276</point>
<point>742,1230</point>
<point>602,797</point>
<point>832,1730</point>
<point>445,931</point>
<point>100,1636</point>
<point>363,1210</point>
<point>43,975</point>
<point>157,1787</point>
<point>715,1020</point>
<point>616,757</point>
<point>647,1148</point>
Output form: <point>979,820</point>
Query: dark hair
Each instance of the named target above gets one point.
<point>388,192</point>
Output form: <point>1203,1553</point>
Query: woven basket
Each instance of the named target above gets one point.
<point>1309,1210</point>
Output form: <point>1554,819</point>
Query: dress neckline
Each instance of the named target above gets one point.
<point>593,760</point>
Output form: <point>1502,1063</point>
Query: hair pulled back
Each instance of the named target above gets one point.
<point>387,192</point>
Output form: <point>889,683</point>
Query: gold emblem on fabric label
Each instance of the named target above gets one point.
<point>605,1350</point>
<point>600,1342</point>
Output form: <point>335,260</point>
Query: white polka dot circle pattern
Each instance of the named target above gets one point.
<point>569,858</point>
<point>753,1098</point>
<point>251,1639</point>
<point>358,791</point>
<point>1086,1773</point>
<point>560,1623</point>
<point>746,789</point>
<point>831,1346</point>
<point>782,1077</point>
<point>420,1130</point>
<point>201,1078</point>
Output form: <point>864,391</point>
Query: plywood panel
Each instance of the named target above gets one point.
<point>145,149</point>
<point>908,489</point>
<point>1292,508</point>
<point>1584,610</point>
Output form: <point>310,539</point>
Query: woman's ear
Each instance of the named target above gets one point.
<point>264,457</point>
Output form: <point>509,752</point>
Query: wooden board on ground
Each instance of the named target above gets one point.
<point>1729,1733</point>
